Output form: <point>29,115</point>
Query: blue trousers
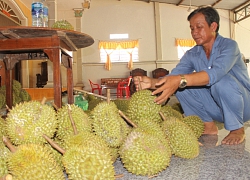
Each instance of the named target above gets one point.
<point>227,101</point>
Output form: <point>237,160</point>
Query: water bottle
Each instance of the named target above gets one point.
<point>37,14</point>
<point>45,16</point>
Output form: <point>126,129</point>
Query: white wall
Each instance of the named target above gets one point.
<point>136,18</point>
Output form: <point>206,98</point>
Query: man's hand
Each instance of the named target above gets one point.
<point>167,85</point>
<point>142,82</point>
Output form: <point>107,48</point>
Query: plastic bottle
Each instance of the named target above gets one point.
<point>45,14</point>
<point>37,14</point>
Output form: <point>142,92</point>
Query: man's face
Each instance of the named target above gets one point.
<point>200,31</point>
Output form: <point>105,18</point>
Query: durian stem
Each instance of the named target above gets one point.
<point>71,120</point>
<point>9,145</point>
<point>53,144</point>
<point>162,116</point>
<point>7,107</point>
<point>149,177</point>
<point>119,176</point>
<point>6,177</point>
<point>43,100</point>
<point>97,95</point>
<point>55,106</point>
<point>127,119</point>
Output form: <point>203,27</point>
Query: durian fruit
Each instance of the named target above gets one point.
<point>145,154</point>
<point>177,107</point>
<point>81,120</point>
<point>24,95</point>
<point>86,139</point>
<point>33,161</point>
<point>28,121</point>
<point>168,111</point>
<point>142,105</point>
<point>122,104</point>
<point>3,150</point>
<point>195,123</point>
<point>92,101</point>
<point>2,100</point>
<point>108,124</point>
<point>86,161</point>
<point>183,141</point>
<point>63,24</point>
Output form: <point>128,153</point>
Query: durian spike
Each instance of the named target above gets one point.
<point>127,119</point>
<point>53,144</point>
<point>162,116</point>
<point>71,120</point>
<point>97,95</point>
<point>108,95</point>
<point>116,176</point>
<point>6,177</point>
<point>43,100</point>
<point>55,106</point>
<point>7,142</point>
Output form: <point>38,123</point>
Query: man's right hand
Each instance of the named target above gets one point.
<point>142,82</point>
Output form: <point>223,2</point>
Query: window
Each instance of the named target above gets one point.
<point>118,51</point>
<point>183,45</point>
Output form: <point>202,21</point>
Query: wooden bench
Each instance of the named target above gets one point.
<point>110,83</point>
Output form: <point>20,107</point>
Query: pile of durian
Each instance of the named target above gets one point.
<point>19,94</point>
<point>41,142</point>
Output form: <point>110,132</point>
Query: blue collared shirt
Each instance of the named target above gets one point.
<point>225,58</point>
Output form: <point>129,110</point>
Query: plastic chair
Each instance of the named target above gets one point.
<point>124,86</point>
<point>95,86</point>
<point>159,72</point>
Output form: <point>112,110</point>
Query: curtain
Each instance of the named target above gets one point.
<point>185,42</point>
<point>113,45</point>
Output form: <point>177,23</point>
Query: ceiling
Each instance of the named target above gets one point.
<point>218,4</point>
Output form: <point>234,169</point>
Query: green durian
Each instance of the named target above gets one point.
<point>195,123</point>
<point>142,105</point>
<point>80,118</point>
<point>168,111</point>
<point>63,24</point>
<point>183,141</point>
<point>145,154</point>
<point>33,161</point>
<point>108,124</point>
<point>28,121</point>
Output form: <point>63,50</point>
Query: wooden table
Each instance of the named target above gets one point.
<point>29,43</point>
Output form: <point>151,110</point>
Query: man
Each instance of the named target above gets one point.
<point>210,81</point>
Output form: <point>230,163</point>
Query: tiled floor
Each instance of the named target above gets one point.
<point>215,162</point>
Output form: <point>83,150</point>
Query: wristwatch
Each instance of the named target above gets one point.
<point>183,82</point>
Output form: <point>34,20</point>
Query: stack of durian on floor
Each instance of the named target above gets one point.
<point>45,143</point>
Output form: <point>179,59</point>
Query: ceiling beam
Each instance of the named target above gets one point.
<point>179,2</point>
<point>241,5</point>
<point>216,3</point>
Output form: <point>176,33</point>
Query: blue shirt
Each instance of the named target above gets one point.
<point>225,58</point>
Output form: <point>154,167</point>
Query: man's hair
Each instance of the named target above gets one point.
<point>211,15</point>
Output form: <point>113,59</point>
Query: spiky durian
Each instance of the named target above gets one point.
<point>63,24</point>
<point>108,124</point>
<point>195,123</point>
<point>122,104</point>
<point>80,118</point>
<point>182,139</point>
<point>142,105</point>
<point>28,121</point>
<point>177,107</point>
<point>168,111</point>
<point>4,151</point>
<point>24,95</point>
<point>33,161</point>
<point>86,162</point>
<point>145,154</point>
